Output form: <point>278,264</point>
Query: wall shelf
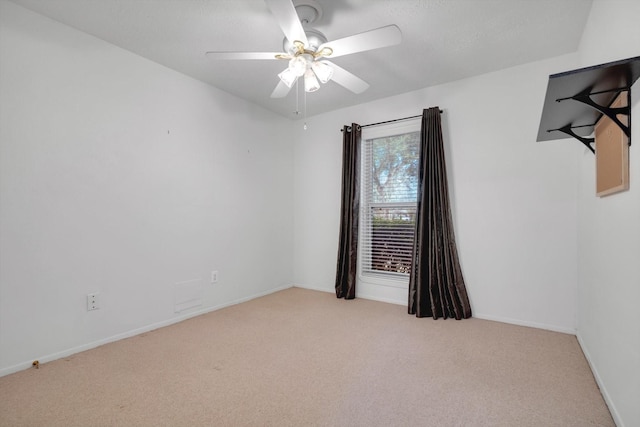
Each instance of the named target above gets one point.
<point>577,99</point>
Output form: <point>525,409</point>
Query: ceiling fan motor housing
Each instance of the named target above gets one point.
<point>314,37</point>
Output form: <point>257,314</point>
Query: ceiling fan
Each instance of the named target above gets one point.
<point>306,49</point>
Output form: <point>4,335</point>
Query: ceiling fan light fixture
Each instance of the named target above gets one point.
<point>323,71</point>
<point>288,77</point>
<point>311,83</point>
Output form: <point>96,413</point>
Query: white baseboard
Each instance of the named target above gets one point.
<point>537,325</point>
<point>382,299</point>
<point>603,389</point>
<point>68,352</point>
<point>315,288</point>
<point>358,295</point>
<point>554,328</point>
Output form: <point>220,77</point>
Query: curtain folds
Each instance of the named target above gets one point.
<point>436,285</point>
<point>349,213</point>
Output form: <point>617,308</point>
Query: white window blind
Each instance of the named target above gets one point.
<point>388,204</point>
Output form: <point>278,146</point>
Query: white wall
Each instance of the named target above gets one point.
<point>122,177</point>
<point>514,199</point>
<point>609,234</point>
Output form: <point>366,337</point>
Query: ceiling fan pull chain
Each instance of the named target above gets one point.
<point>297,97</point>
<point>305,110</point>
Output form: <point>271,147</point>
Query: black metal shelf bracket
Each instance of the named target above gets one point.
<point>612,113</point>
<point>568,130</point>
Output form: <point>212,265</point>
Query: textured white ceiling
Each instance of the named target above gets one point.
<point>443,40</point>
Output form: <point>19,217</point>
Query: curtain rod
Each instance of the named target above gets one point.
<point>389,121</point>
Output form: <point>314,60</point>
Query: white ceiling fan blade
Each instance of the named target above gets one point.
<point>281,90</point>
<point>373,39</point>
<point>243,55</point>
<point>288,20</point>
<point>348,80</point>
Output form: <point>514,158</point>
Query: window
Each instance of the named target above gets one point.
<point>390,161</point>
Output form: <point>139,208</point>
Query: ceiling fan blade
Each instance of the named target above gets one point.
<point>348,80</point>
<point>281,90</point>
<point>243,55</point>
<point>373,39</point>
<point>288,20</point>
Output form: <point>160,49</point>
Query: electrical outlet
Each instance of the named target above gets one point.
<point>92,302</point>
<point>214,276</point>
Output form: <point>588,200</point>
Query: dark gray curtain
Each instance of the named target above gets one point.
<point>349,213</point>
<point>436,285</point>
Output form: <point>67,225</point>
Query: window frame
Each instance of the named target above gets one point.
<point>388,279</point>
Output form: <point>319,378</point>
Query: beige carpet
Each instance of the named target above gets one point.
<point>304,358</point>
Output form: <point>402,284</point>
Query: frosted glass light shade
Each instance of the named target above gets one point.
<point>288,77</point>
<point>298,65</point>
<point>323,71</point>
<point>311,84</point>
